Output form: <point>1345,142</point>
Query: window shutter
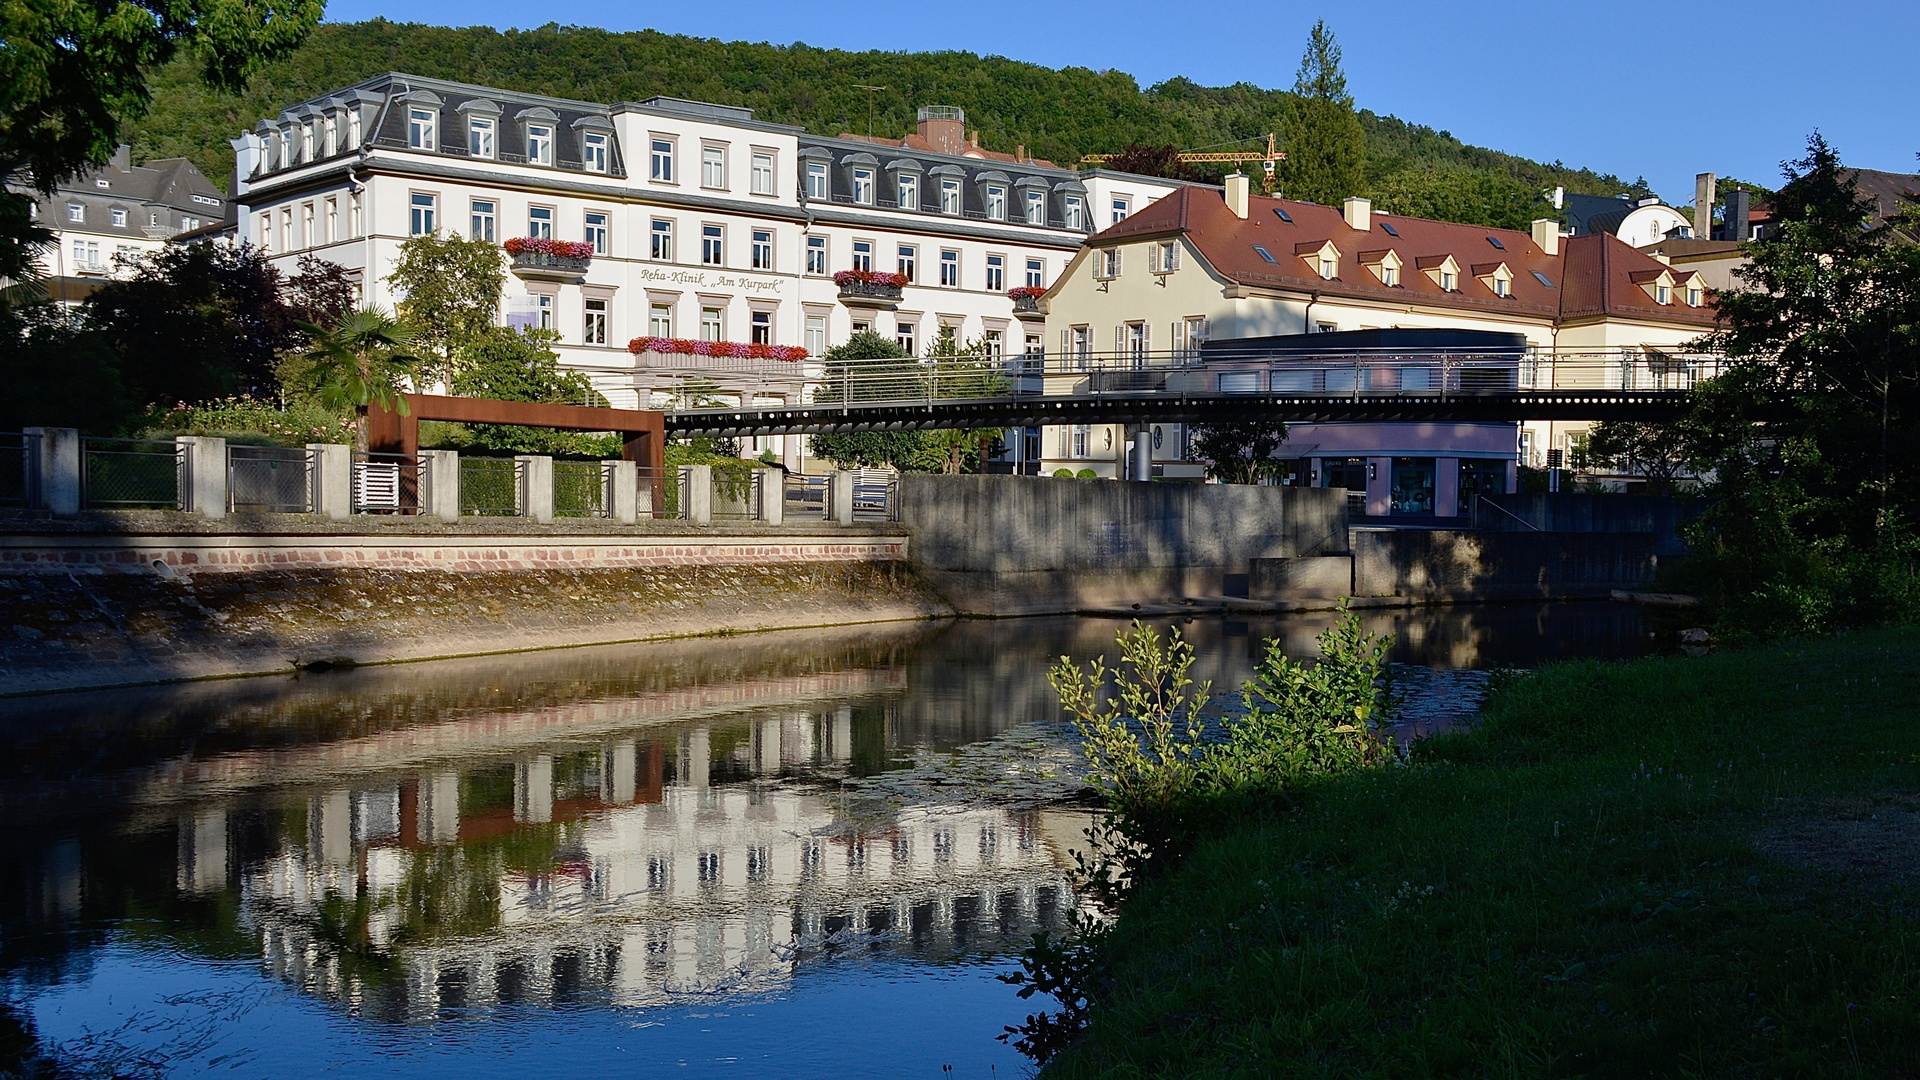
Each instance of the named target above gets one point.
<point>1146,337</point>
<point>1066,343</point>
<point>1179,336</point>
<point>1117,252</point>
<point>1173,255</point>
<point>1153,258</point>
<point>1206,330</point>
<point>1119,339</point>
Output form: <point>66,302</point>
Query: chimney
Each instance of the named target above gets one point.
<point>1359,213</point>
<point>1739,206</point>
<point>944,127</point>
<point>1559,198</point>
<point>1703,198</point>
<point>122,160</point>
<point>1020,152</point>
<point>1237,194</point>
<point>1546,235</point>
<point>973,137</point>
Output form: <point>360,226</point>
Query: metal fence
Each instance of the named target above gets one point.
<point>582,489</point>
<point>490,487</point>
<point>876,495</point>
<point>270,479</point>
<point>660,491</point>
<point>806,497</point>
<point>133,473</point>
<point>389,483</point>
<point>19,469</point>
<point>735,498</point>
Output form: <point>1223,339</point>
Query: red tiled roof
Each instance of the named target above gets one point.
<point>1590,276</point>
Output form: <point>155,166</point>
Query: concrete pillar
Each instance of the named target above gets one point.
<point>536,487</point>
<point>56,464</point>
<point>330,828</point>
<point>698,499</point>
<point>840,497</point>
<point>332,480</point>
<point>623,504</point>
<point>1379,486</point>
<point>773,497</point>
<point>1446,487</point>
<point>205,477</point>
<point>437,808</point>
<point>618,765</point>
<point>1143,453</point>
<point>441,500</point>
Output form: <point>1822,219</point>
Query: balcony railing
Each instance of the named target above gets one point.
<point>542,261</point>
<point>869,291</point>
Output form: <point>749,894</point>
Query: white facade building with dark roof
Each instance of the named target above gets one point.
<point>120,209</point>
<point>702,222</point>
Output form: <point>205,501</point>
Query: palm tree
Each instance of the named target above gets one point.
<point>364,359</point>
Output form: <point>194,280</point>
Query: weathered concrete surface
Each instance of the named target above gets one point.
<point>1312,577</point>
<point>67,631</point>
<point>1022,543</point>
<point>1447,564</point>
<point>1573,512</point>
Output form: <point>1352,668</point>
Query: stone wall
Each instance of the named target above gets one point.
<point>1447,564</point>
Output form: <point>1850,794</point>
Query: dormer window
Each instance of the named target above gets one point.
<point>950,197</point>
<point>1662,294</point>
<point>306,142</point>
<point>480,137</point>
<point>1496,277</point>
<point>1656,283</point>
<point>1449,281</point>
<point>908,188</point>
<point>1385,266</point>
<point>1323,258</point>
<point>1442,270</point>
<point>863,186</point>
<point>1693,296</point>
<point>817,180</point>
<point>353,129</point>
<point>996,199</point>
<point>1075,213</point>
<point>332,130</point>
<point>593,151</point>
<point>539,144</point>
<point>421,125</point>
<point>1036,208</point>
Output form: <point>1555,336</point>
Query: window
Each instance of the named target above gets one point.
<point>595,232</point>
<point>1283,215</point>
<point>1329,267</point>
<point>713,166</point>
<point>306,225</point>
<point>480,136</point>
<point>1389,275</point>
<point>86,253</point>
<point>1121,207</point>
<point>1036,273</point>
<point>909,262</point>
<point>863,254</point>
<point>996,343</point>
<point>1662,294</point>
<point>1036,208</point>
<point>286,224</point>
<point>760,328</point>
<point>816,180</point>
<point>1107,263</point>
<point>355,224</point>
<point>539,144</point>
<point>1449,281</point>
<point>863,186</point>
<point>1501,288</point>
<point>1164,257</point>
<point>713,245</point>
<point>1388,228</point>
<point>660,320</point>
<point>710,324</point>
<point>763,249</point>
<point>950,197</point>
<point>423,209</point>
<point>661,168</point>
<point>1495,241</point>
<point>595,330</point>
<point>904,334</point>
<point>540,222</point>
<point>1543,279</point>
<point>996,203</point>
<point>1075,213</point>
<point>662,232</point>
<point>908,189</point>
<point>1082,437</point>
<point>593,151</point>
<point>816,254</point>
<point>816,343</point>
<point>333,221</point>
<point>266,231</point>
<point>1079,344</point>
<point>76,212</point>
<point>332,135</point>
<point>1693,296</point>
<point>306,146</point>
<point>420,125</point>
<point>996,273</point>
<point>119,218</point>
<point>762,173</point>
<point>546,312</point>
<point>950,269</point>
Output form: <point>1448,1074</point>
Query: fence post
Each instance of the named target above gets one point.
<point>57,462</point>
<point>205,476</point>
<point>623,502</point>
<point>840,497</point>
<point>536,487</point>
<point>442,499</point>
<point>332,480</point>
<point>699,499</point>
<point>773,496</point>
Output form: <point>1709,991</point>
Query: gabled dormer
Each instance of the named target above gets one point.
<point>1690,288</point>
<point>1657,284</point>
<point>1496,277</point>
<point>1442,270</point>
<point>1385,265</point>
<point>1322,258</point>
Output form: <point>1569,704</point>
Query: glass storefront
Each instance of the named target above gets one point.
<point>1480,476</point>
<point>1349,473</point>
<point>1412,491</point>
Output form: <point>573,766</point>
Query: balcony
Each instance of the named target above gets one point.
<point>867,289</point>
<point>1026,300</point>
<point>550,260</point>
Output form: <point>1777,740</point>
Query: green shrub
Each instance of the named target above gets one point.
<point>1064,474</point>
<point>1087,474</point>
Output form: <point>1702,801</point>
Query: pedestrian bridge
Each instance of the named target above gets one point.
<point>1449,386</point>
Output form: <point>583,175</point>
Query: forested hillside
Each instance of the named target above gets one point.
<point>1056,114</point>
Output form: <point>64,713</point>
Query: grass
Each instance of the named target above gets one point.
<point>1670,867</point>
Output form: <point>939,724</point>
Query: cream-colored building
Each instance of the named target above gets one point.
<point>120,211</point>
<point>1206,265</point>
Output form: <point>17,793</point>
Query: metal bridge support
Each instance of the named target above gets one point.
<point>1142,453</point>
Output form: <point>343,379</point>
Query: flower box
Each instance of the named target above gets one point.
<point>666,346</point>
<point>542,255</point>
<point>1026,298</point>
<point>869,286</point>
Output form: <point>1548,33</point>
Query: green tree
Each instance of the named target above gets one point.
<point>1325,144</point>
<point>516,365</point>
<point>364,359</point>
<point>1241,453</point>
<point>60,372</point>
<point>869,367</point>
<point>73,75</point>
<point>1495,199</point>
<point>450,291</point>
<point>1655,451</point>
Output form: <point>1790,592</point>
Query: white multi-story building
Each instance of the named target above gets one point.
<point>699,222</point>
<point>119,210</point>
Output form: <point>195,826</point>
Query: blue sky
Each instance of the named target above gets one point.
<point>1666,93</point>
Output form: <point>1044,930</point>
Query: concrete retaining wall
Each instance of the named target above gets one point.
<point>1445,564</point>
<point>1008,543</point>
<point>1570,512</point>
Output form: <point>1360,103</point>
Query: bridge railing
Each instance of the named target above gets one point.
<point>1338,376</point>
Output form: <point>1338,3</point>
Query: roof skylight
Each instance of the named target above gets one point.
<point>1265,254</point>
<point>1542,279</point>
<point>1284,216</point>
<point>1390,229</point>
<point>1495,241</point>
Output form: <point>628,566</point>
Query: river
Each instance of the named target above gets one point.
<point>795,854</point>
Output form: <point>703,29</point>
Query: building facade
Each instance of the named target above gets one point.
<point>673,219</point>
<point>1208,265</point>
<point>120,210</point>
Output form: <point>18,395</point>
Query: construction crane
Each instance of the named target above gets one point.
<point>1267,160</point>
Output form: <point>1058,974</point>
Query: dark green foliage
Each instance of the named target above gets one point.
<point>1241,453</point>
<point>1056,114</point>
<point>1162,160</point>
<point>512,365</point>
<point>59,373</point>
<point>450,291</point>
<point>1657,452</point>
<point>869,367</point>
<point>1459,193</point>
<point>1325,144</point>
